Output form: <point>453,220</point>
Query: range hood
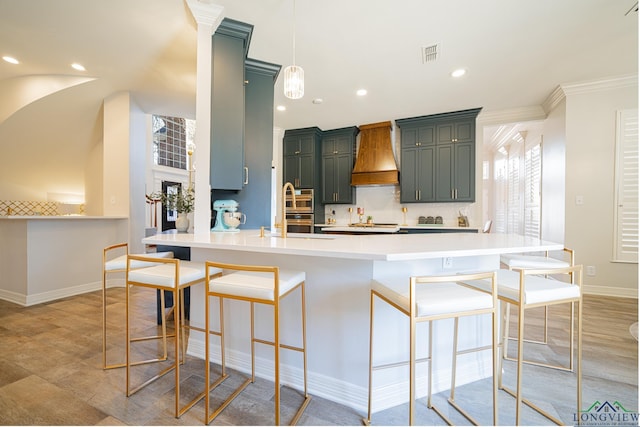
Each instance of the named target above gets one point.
<point>375,163</point>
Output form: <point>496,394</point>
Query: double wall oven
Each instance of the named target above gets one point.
<point>300,218</point>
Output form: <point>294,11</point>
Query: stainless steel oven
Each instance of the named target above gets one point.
<point>300,218</point>
<point>299,223</point>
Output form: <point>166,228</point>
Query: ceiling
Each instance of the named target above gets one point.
<point>515,52</point>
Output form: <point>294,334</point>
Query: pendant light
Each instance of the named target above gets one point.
<point>293,74</point>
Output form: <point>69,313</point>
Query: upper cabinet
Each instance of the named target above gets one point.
<point>338,155</point>
<point>258,144</point>
<point>300,156</point>
<point>438,157</point>
<point>229,51</point>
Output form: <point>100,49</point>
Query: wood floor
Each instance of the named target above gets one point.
<point>51,357</point>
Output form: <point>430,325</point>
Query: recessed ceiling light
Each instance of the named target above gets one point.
<point>78,67</point>
<point>317,101</point>
<point>361,92</point>
<point>459,72</point>
<point>281,108</point>
<point>10,59</point>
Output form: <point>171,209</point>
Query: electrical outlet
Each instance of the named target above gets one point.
<point>591,270</point>
<point>447,262</point>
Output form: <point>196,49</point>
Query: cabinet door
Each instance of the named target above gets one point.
<point>227,117</point>
<point>306,173</point>
<point>426,178</point>
<point>464,174</point>
<point>291,169</point>
<point>409,173</point>
<point>444,173</point>
<point>417,180</point>
<point>343,189</point>
<point>329,169</point>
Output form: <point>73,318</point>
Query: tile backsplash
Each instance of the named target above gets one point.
<point>34,208</point>
<point>383,204</point>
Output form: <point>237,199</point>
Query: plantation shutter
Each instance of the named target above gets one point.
<point>626,180</point>
<point>513,198</point>
<point>533,172</point>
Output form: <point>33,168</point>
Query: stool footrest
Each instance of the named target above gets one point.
<point>271,343</point>
<point>229,400</point>
<point>150,380</point>
<point>544,365</point>
<point>295,419</point>
<point>535,407</point>
<point>441,414</point>
<point>396,364</point>
<point>462,411</point>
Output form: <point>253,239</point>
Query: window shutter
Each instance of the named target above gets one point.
<point>513,201</point>
<point>533,172</point>
<point>626,179</point>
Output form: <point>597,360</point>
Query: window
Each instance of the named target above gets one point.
<point>170,138</point>
<point>532,176</point>
<point>517,189</point>
<point>626,187</point>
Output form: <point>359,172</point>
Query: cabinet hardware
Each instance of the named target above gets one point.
<point>297,152</point>
<point>335,152</point>
<point>456,194</point>
<point>452,197</point>
<point>246,175</point>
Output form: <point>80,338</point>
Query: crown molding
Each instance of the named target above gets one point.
<point>600,85</point>
<point>563,90</point>
<point>206,13</point>
<point>512,115</point>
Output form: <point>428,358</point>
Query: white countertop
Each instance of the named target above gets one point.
<point>346,227</point>
<point>370,247</point>
<point>41,217</point>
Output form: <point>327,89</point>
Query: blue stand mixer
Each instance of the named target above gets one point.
<point>222,206</point>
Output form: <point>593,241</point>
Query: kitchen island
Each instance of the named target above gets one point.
<point>339,269</point>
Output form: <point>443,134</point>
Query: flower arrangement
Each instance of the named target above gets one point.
<point>182,201</point>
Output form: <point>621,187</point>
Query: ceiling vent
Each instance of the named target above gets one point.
<point>430,53</point>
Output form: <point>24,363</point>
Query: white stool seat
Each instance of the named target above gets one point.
<point>435,298</point>
<point>120,263</point>
<point>531,261</point>
<point>256,284</point>
<point>537,289</point>
<point>164,275</point>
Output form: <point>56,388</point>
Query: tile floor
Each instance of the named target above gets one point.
<point>51,358</point>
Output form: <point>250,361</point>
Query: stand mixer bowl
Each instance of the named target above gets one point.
<point>234,219</point>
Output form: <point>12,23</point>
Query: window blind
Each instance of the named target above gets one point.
<point>626,187</point>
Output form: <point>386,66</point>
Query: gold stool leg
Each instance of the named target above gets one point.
<point>367,421</point>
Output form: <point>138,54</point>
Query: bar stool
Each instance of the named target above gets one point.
<point>431,298</point>
<point>530,288</point>
<point>262,285</point>
<point>174,276</point>
<point>520,261</point>
<point>119,265</point>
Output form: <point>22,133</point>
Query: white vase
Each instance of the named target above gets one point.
<point>182,222</point>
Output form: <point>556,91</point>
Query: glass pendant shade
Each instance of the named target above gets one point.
<point>294,82</point>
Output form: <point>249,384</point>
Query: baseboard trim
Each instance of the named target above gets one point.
<point>29,300</point>
<point>342,392</point>
<point>610,291</point>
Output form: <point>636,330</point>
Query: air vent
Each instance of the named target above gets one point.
<point>430,53</point>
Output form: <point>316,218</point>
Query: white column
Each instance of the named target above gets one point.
<point>208,17</point>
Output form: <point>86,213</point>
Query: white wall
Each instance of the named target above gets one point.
<point>590,151</point>
<point>137,173</point>
<point>553,175</point>
<point>115,149</point>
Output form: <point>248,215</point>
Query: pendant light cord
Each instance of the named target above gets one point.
<point>294,32</point>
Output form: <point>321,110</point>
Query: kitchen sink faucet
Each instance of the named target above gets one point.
<point>284,206</point>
